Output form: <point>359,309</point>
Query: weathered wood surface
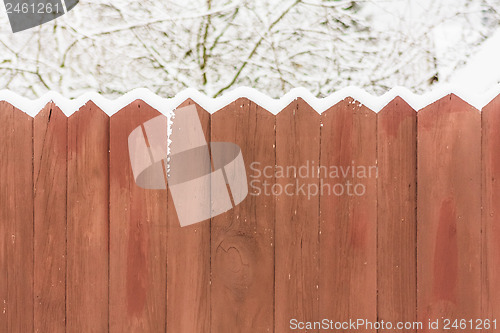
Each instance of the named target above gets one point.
<point>87,237</point>
<point>16,220</point>
<point>50,186</point>
<point>84,249</point>
<point>491,214</point>
<point>138,238</point>
<point>449,211</point>
<point>188,267</point>
<point>242,293</point>
<point>348,215</point>
<point>297,216</point>
<point>396,209</point>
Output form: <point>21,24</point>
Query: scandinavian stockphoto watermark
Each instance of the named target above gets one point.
<point>363,324</point>
<point>26,14</point>
<point>310,179</point>
<point>360,324</point>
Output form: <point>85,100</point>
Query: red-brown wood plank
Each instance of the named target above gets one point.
<point>449,211</point>
<point>297,215</point>
<point>242,293</point>
<point>16,220</point>
<point>87,238</point>
<point>491,213</point>
<point>348,239</point>
<point>5,127</point>
<point>397,203</point>
<point>50,166</point>
<point>138,221</point>
<point>188,269</point>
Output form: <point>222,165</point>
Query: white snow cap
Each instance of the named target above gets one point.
<point>483,69</point>
<point>166,105</point>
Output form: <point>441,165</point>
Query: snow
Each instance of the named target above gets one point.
<point>167,105</point>
<point>483,69</point>
<point>112,47</point>
<point>416,40</point>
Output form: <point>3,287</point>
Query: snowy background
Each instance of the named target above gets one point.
<point>112,47</point>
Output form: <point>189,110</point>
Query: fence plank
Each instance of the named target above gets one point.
<point>449,211</point>
<point>5,126</point>
<point>348,239</point>
<point>188,269</point>
<point>490,215</point>
<point>16,220</point>
<point>50,166</point>
<point>396,201</point>
<point>88,202</point>
<point>242,291</point>
<point>297,215</point>
<point>138,220</point>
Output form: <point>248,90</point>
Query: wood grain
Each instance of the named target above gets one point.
<point>188,269</point>
<point>449,211</point>
<point>50,167</point>
<point>138,224</point>
<point>242,294</point>
<point>88,203</point>
<point>297,216</point>
<point>491,213</point>
<point>397,204</point>
<point>16,220</point>
<point>84,249</point>
<point>348,239</point>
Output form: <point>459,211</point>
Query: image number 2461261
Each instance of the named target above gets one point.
<point>26,14</point>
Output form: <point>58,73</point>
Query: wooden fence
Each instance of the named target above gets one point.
<point>83,249</point>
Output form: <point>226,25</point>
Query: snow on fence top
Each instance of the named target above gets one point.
<point>166,105</point>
